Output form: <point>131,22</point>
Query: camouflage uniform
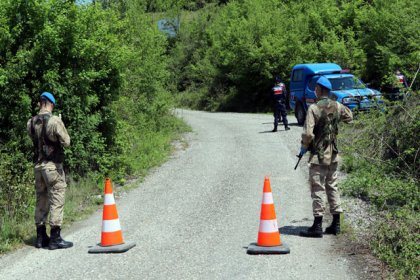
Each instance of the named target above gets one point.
<point>320,138</point>
<point>50,183</point>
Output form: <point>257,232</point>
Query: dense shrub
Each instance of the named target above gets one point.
<point>59,47</point>
<point>382,158</point>
<point>231,53</point>
<point>106,64</point>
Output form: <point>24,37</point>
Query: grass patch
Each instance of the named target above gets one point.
<point>13,233</point>
<point>396,233</point>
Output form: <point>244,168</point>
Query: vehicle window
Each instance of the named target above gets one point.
<point>297,75</point>
<point>342,83</point>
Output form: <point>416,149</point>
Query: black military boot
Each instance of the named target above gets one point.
<point>42,239</point>
<point>315,230</point>
<point>286,128</point>
<point>56,242</point>
<point>334,228</point>
<point>274,130</point>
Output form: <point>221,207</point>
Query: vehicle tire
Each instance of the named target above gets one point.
<point>300,114</point>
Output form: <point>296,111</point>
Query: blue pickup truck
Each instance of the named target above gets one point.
<point>346,88</point>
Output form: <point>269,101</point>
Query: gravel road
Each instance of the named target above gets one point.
<point>193,217</point>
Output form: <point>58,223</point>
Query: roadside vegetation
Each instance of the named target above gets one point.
<point>106,64</point>
<point>382,160</point>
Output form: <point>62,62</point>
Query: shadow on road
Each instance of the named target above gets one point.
<point>270,131</point>
<point>295,124</point>
<point>290,124</point>
<point>291,230</point>
<point>30,241</point>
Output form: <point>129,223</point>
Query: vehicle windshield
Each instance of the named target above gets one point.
<point>343,83</point>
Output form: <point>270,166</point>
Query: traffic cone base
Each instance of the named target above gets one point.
<point>98,249</point>
<point>269,241</point>
<point>111,237</point>
<point>254,249</point>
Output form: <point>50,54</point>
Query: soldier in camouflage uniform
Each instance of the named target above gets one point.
<point>320,138</point>
<point>49,136</point>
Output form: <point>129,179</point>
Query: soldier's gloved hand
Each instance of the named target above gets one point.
<point>302,151</point>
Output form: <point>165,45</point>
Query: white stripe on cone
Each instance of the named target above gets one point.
<point>268,198</point>
<point>268,226</point>
<point>111,225</point>
<point>109,199</point>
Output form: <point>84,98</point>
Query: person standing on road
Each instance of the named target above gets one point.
<point>49,136</point>
<point>320,138</point>
<point>279,97</point>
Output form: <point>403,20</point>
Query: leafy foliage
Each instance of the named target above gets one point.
<point>58,47</point>
<point>227,56</point>
<point>106,65</point>
<point>382,159</point>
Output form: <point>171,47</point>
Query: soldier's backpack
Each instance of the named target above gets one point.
<point>44,148</point>
<point>326,129</point>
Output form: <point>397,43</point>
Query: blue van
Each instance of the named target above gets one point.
<point>346,88</point>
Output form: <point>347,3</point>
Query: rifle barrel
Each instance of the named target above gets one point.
<point>300,157</point>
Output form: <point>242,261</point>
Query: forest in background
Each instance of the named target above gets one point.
<point>226,57</point>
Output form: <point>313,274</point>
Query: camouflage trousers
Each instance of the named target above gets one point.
<point>50,186</point>
<point>323,180</point>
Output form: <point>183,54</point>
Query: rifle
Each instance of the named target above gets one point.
<point>300,157</point>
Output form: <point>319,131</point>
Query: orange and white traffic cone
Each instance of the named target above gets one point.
<point>269,241</point>
<point>111,237</point>
<point>111,228</point>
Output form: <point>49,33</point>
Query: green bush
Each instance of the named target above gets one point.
<point>232,52</point>
<point>385,192</point>
<point>60,47</point>
<point>381,156</point>
<point>107,66</point>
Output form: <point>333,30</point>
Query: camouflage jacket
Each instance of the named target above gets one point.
<point>321,128</point>
<point>55,132</point>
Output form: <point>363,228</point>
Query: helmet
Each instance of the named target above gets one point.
<point>324,82</point>
<point>278,80</point>
<point>48,96</point>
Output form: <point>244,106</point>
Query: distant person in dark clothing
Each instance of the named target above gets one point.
<point>396,89</point>
<point>401,81</point>
<point>279,98</point>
